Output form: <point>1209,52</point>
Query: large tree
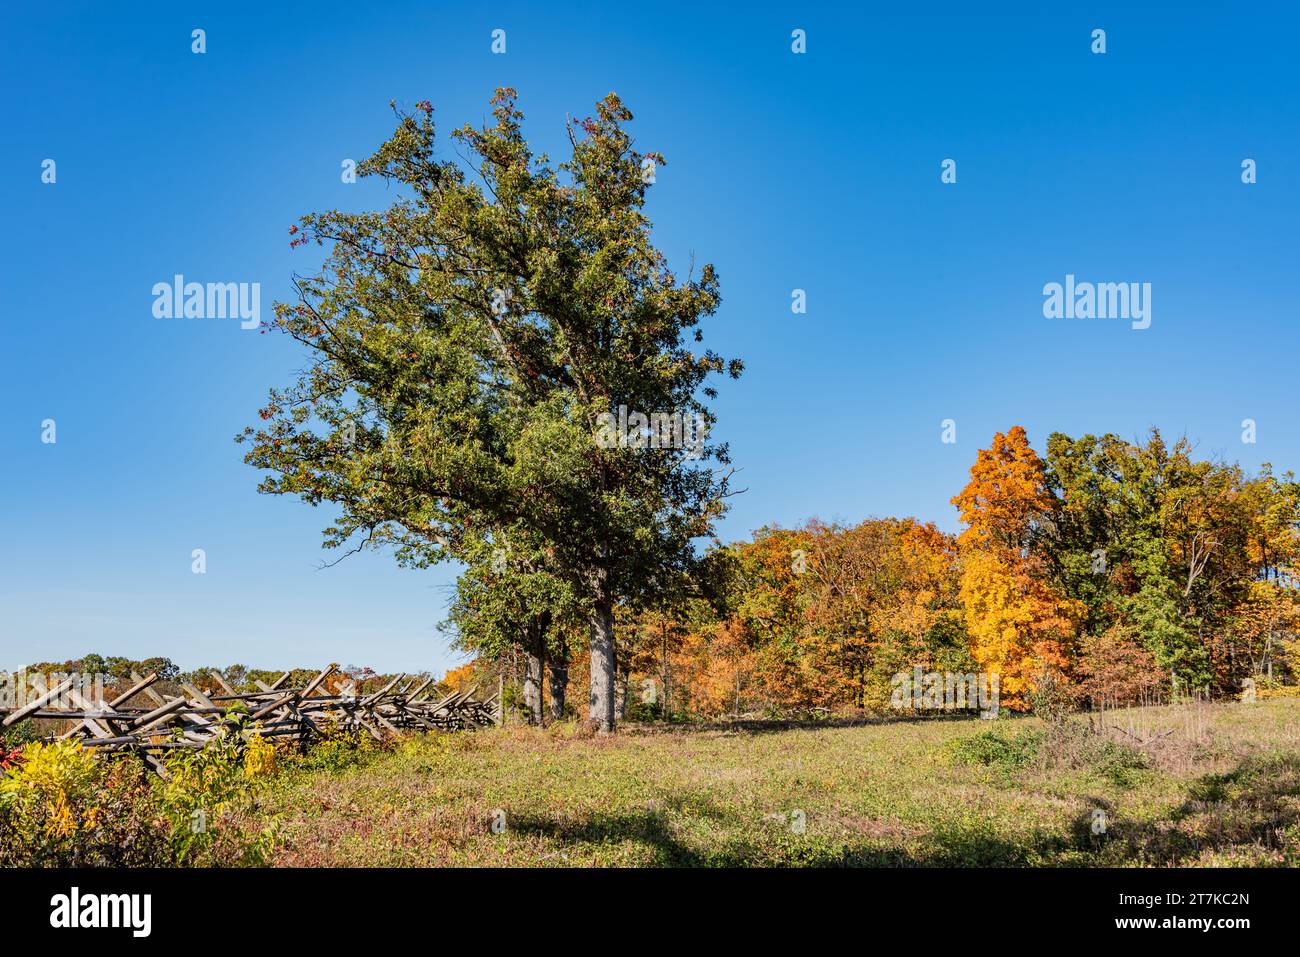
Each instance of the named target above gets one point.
<point>1020,626</point>
<point>470,347</point>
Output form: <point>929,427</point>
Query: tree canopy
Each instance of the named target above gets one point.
<point>470,346</point>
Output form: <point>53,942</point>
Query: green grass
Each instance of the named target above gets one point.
<point>1195,785</point>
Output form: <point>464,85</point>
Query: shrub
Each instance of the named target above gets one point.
<point>1069,745</point>
<point>1076,746</point>
<point>60,806</point>
<point>259,757</point>
<point>638,710</point>
<point>337,748</point>
<point>16,736</point>
<point>1052,698</point>
<point>208,790</point>
<point>9,757</point>
<point>997,748</point>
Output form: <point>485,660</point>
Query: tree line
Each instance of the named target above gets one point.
<point>1106,573</point>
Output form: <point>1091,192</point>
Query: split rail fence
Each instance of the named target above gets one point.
<point>194,719</point>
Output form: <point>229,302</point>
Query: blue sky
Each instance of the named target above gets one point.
<point>818,171</point>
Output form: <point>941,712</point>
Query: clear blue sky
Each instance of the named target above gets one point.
<point>819,172</point>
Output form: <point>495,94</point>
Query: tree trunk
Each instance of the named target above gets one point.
<point>602,666</point>
<point>535,662</point>
<point>556,684</point>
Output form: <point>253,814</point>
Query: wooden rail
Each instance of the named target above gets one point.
<point>275,711</point>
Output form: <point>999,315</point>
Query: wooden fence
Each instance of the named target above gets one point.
<point>193,719</point>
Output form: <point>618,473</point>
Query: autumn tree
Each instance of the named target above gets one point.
<point>1114,670</point>
<point>920,623</point>
<point>1262,628</point>
<point>828,613</point>
<point>1172,547</point>
<point>769,626</point>
<point>1020,626</point>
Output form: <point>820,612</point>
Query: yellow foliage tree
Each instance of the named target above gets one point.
<point>1020,627</point>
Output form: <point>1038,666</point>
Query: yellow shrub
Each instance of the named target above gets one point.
<point>55,784</point>
<point>62,806</point>
<point>259,757</point>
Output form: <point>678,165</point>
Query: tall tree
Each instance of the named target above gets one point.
<point>472,344</point>
<point>1020,626</point>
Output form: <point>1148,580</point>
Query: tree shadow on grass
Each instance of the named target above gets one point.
<point>648,829</point>
<point>771,841</point>
<point>1251,811</point>
<point>757,726</point>
<point>668,850</point>
<point>1250,814</point>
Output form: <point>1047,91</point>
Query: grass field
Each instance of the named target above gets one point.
<point>1190,785</point>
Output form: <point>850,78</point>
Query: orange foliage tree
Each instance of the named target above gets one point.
<point>1020,627</point>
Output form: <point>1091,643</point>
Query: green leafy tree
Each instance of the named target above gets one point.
<point>1145,535</point>
<point>472,344</point>
<point>510,598</point>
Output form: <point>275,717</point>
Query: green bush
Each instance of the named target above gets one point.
<point>1067,745</point>
<point>1076,746</point>
<point>337,749</point>
<point>997,748</point>
<point>206,794</point>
